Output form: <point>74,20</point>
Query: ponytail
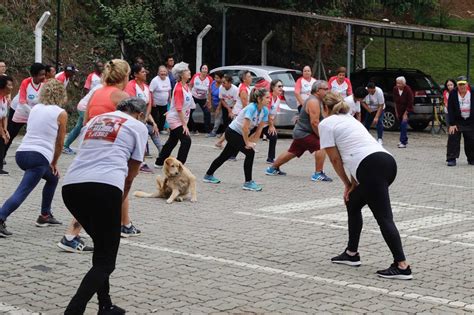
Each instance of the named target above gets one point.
<point>335,104</point>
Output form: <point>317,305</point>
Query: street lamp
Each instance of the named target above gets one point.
<point>363,51</point>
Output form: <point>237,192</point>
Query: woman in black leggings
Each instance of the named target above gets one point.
<point>239,138</point>
<point>276,90</point>
<point>98,172</point>
<point>348,144</point>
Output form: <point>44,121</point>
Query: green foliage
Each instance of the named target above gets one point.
<point>132,23</point>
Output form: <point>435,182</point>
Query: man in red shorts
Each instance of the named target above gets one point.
<point>306,135</point>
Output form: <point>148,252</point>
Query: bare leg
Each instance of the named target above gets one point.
<point>283,158</point>
<point>74,228</point>
<point>319,158</point>
<point>125,217</point>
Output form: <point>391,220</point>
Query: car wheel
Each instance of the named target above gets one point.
<point>390,121</point>
<point>418,125</point>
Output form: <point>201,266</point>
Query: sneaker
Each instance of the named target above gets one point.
<point>158,166</point>
<point>3,229</point>
<point>195,133</point>
<point>44,221</point>
<point>131,231</point>
<point>393,272</point>
<point>251,185</point>
<point>75,246</point>
<point>111,310</point>
<point>4,173</point>
<point>163,132</point>
<point>264,138</point>
<point>146,169</point>
<point>68,151</point>
<point>452,163</point>
<point>218,145</point>
<point>402,146</point>
<point>148,155</point>
<point>270,161</point>
<point>379,140</point>
<point>232,159</point>
<point>210,179</point>
<point>320,177</point>
<point>347,259</point>
<point>273,171</point>
<point>211,134</point>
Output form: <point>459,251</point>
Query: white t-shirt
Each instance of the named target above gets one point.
<point>274,106</point>
<point>160,90</point>
<point>200,87</point>
<point>109,141</point>
<point>251,113</point>
<point>229,96</point>
<point>42,130</point>
<point>350,137</point>
<point>355,106</point>
<point>92,81</point>
<point>27,97</point>
<point>82,105</point>
<point>465,105</point>
<point>373,101</point>
<point>303,87</point>
<point>238,105</point>
<point>182,100</point>
<point>3,107</point>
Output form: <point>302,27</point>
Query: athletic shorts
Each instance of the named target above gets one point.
<point>309,143</point>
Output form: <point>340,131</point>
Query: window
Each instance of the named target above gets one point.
<point>286,77</point>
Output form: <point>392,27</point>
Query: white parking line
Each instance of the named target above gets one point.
<point>450,185</point>
<point>342,215</point>
<point>297,275</point>
<point>13,310</point>
<point>335,226</point>
<point>433,221</point>
<point>304,206</point>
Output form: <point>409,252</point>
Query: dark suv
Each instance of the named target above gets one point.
<point>426,90</point>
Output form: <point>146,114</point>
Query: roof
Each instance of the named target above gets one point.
<point>359,22</point>
<point>254,67</point>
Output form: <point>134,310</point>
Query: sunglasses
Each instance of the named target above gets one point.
<point>325,89</point>
<point>279,86</point>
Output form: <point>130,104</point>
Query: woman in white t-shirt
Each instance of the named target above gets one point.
<point>178,116</point>
<point>6,87</point>
<point>349,145</point>
<point>303,86</point>
<point>200,85</point>
<point>109,158</point>
<point>276,90</point>
<point>160,88</point>
<point>39,152</point>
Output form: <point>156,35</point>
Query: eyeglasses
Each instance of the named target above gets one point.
<point>325,89</point>
<point>279,86</point>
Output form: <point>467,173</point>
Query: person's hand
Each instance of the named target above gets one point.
<point>347,191</point>
<point>6,137</point>
<point>375,122</point>
<point>55,170</point>
<point>272,130</point>
<point>405,117</point>
<point>186,130</point>
<point>453,129</point>
<point>156,131</point>
<point>250,145</point>
<point>231,115</point>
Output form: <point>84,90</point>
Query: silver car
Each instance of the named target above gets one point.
<point>288,107</point>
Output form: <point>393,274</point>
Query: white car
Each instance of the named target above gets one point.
<point>288,107</point>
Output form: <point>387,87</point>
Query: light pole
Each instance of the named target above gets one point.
<point>39,36</point>
<point>58,32</point>
<point>363,51</point>
<point>199,46</point>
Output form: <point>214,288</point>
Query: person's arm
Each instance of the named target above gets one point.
<point>411,103</point>
<point>365,106</point>
<point>298,92</point>
<point>22,96</point>
<point>244,98</point>
<point>133,169</point>
<point>3,130</point>
<point>349,87</point>
<point>314,112</point>
<point>377,115</point>
<point>358,116</point>
<point>58,147</point>
<point>245,134</point>
<point>336,161</point>
<point>452,110</point>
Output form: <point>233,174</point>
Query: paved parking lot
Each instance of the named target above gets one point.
<point>268,252</point>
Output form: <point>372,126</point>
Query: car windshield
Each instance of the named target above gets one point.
<point>288,78</point>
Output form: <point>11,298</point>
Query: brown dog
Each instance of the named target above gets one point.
<point>177,183</point>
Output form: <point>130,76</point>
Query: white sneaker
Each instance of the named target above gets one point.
<point>402,146</point>
<point>379,140</point>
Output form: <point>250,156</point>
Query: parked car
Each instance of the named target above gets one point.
<point>288,108</point>
<point>426,90</point>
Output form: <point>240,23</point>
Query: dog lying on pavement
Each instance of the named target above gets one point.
<point>176,184</point>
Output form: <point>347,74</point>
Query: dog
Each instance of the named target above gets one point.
<point>176,184</point>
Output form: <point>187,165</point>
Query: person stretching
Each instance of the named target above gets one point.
<point>305,135</point>
<point>239,138</point>
<point>349,145</point>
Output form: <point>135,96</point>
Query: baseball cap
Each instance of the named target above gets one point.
<point>462,80</point>
<point>70,68</point>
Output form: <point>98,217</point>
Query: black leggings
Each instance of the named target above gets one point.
<point>13,129</point>
<point>175,136</point>
<point>158,113</point>
<point>272,139</point>
<point>3,147</point>
<point>375,174</point>
<point>454,144</point>
<point>99,214</point>
<point>235,143</point>
<point>206,113</point>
